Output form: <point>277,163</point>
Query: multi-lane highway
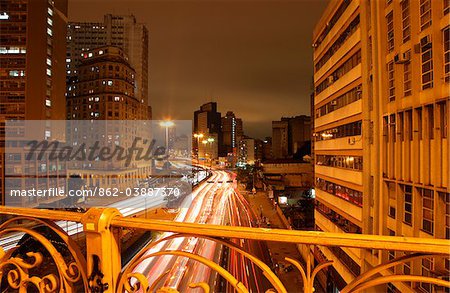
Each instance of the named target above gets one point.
<point>214,202</point>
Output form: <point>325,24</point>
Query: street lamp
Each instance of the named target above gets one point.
<point>209,141</point>
<point>167,124</point>
<point>198,136</point>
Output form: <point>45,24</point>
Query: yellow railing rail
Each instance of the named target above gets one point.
<point>407,244</point>
<point>101,270</point>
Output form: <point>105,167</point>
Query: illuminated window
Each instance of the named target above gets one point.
<point>116,99</point>
<point>48,103</point>
<point>49,72</point>
<point>4,16</point>
<point>16,73</point>
<point>49,21</point>
<point>50,11</point>
<point>110,82</point>
<point>49,31</point>
<point>49,62</point>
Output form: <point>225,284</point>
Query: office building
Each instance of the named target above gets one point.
<point>32,67</point>
<point>232,132</point>
<point>267,148</point>
<point>207,122</point>
<point>381,131</point>
<point>299,133</point>
<point>290,135</point>
<point>247,154</point>
<point>104,90</point>
<point>121,31</point>
<point>280,139</point>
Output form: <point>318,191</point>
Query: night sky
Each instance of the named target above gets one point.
<point>252,57</point>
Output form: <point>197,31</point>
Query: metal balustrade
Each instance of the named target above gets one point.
<point>56,263</point>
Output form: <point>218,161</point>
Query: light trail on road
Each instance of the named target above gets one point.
<point>216,202</point>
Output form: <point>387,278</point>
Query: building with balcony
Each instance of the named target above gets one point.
<point>122,31</point>
<point>32,68</point>
<point>380,128</point>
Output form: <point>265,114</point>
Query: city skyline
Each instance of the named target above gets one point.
<point>202,51</point>
<point>350,193</point>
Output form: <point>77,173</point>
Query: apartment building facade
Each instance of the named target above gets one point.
<point>104,90</point>
<point>122,31</point>
<point>381,129</point>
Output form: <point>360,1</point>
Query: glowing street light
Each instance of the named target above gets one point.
<point>167,124</point>
<point>198,136</point>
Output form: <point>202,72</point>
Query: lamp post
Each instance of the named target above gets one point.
<point>167,124</point>
<point>209,142</point>
<point>198,136</point>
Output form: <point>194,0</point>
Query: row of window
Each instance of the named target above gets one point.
<point>400,125</point>
<point>348,194</point>
<point>337,219</point>
<point>333,21</point>
<point>349,129</point>
<point>349,97</point>
<point>351,28</point>
<point>347,162</point>
<point>348,65</point>
<point>427,212</point>
<point>447,53</point>
<point>426,67</point>
<point>346,260</point>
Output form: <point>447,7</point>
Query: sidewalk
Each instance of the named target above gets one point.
<point>261,204</point>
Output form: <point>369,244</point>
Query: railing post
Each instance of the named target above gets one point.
<point>102,249</point>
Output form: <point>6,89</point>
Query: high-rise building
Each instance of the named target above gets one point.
<point>299,132</point>
<point>207,121</point>
<point>381,107</point>
<point>267,148</point>
<point>104,90</point>
<point>122,31</point>
<point>32,65</point>
<point>247,151</point>
<point>232,132</point>
<point>290,135</point>
<point>280,139</point>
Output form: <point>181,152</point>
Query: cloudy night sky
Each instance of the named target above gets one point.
<point>252,57</point>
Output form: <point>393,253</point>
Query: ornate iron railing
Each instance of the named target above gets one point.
<point>56,263</point>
